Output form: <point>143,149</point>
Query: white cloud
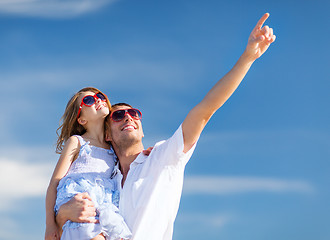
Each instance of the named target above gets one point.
<point>23,174</point>
<point>19,180</point>
<point>72,71</point>
<point>51,8</point>
<point>235,185</point>
<point>23,179</point>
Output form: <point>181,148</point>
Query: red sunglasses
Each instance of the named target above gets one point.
<point>119,115</point>
<point>90,100</point>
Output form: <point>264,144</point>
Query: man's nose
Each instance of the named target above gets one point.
<point>128,117</point>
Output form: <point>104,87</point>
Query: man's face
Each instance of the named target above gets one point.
<point>128,131</point>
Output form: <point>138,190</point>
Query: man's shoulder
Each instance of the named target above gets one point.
<point>172,145</point>
<point>158,144</point>
<point>176,137</point>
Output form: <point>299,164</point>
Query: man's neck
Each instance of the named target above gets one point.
<point>127,156</point>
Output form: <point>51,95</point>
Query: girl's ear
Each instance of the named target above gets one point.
<point>82,121</point>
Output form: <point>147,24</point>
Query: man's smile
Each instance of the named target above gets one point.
<point>128,127</point>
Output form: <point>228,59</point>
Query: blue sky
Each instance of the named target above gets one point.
<point>261,167</point>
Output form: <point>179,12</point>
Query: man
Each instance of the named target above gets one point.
<point>150,186</point>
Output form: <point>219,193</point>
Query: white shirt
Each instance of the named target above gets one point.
<point>150,197</point>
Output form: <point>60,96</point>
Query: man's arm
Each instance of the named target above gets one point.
<point>79,209</point>
<point>259,41</point>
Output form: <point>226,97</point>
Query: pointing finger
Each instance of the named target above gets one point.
<point>262,21</point>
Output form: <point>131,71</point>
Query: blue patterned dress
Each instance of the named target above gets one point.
<point>91,172</point>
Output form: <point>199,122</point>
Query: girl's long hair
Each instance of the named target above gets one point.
<point>69,125</point>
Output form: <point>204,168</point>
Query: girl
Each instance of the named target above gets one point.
<point>85,165</point>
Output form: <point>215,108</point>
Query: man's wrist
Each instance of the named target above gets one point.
<point>247,58</point>
<point>60,217</point>
<point>244,62</point>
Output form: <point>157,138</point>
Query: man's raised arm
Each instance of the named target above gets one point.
<point>259,41</point>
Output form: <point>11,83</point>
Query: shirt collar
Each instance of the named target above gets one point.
<point>138,160</point>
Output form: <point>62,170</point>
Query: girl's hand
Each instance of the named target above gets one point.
<point>52,232</point>
<point>260,39</point>
<point>147,151</point>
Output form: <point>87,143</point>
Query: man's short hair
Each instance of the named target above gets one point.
<point>120,104</point>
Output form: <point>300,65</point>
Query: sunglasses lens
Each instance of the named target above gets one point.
<point>118,115</point>
<point>100,96</point>
<point>136,114</point>
<point>89,100</point>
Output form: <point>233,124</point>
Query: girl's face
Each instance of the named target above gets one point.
<point>98,110</point>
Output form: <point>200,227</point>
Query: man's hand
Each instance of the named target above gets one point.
<point>260,39</point>
<point>79,209</point>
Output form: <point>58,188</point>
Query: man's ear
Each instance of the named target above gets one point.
<point>108,137</point>
<point>82,121</point>
<point>107,129</point>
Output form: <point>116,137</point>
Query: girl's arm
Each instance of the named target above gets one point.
<point>68,155</point>
<point>259,41</point>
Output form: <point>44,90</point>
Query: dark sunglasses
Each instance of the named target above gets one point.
<point>119,115</point>
<point>90,100</point>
